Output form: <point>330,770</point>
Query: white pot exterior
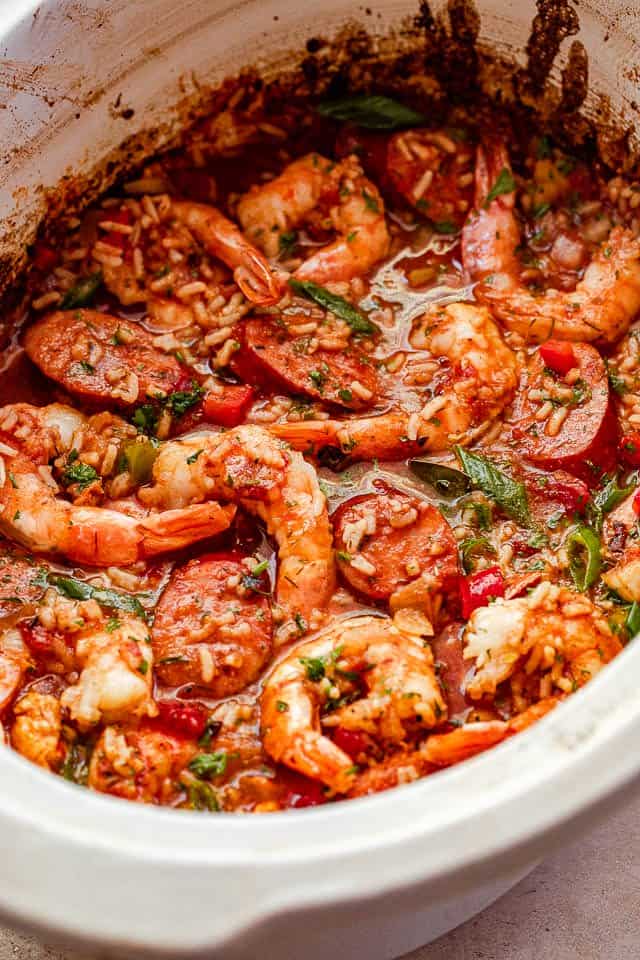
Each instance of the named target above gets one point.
<point>372,877</point>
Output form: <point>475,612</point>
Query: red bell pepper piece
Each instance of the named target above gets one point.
<point>182,719</point>
<point>113,238</point>
<point>352,742</point>
<point>230,408</point>
<point>44,257</point>
<point>629,448</point>
<point>477,589</point>
<point>635,503</point>
<point>302,791</point>
<point>558,355</point>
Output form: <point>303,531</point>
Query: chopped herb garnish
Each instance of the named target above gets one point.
<point>357,320</point>
<point>509,494</point>
<point>208,765</point>
<point>79,590</point>
<point>314,667</point>
<point>371,112</point>
<point>83,292</point>
<point>79,473</point>
<point>504,183</point>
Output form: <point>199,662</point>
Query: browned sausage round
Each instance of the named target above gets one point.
<point>585,442</point>
<point>213,625</point>
<point>268,355</point>
<point>101,358</point>
<point>385,540</point>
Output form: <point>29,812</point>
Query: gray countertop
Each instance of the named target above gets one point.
<point>583,902</point>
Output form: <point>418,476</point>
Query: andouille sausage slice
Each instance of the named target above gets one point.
<point>101,358</point>
<point>585,442</point>
<point>213,625</point>
<point>269,356</point>
<point>386,540</point>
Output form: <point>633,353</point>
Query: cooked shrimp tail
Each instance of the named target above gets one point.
<point>224,240</point>
<point>32,514</point>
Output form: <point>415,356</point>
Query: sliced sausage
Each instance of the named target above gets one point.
<point>270,356</point>
<point>452,669</point>
<point>213,625</point>
<point>386,540</point>
<point>101,358</point>
<point>585,443</point>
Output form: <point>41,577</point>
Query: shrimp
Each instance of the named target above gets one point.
<point>363,654</point>
<point>117,676</point>
<point>623,368</point>
<point>41,433</point>
<point>554,632</point>
<point>480,382</point>
<point>222,239</point>
<point>37,727</point>
<point>14,662</point>
<point>170,255</point>
<point>445,749</point>
<point>248,466</point>
<point>31,514</point>
<point>604,301</point>
<point>142,765</point>
<point>60,436</point>
<point>275,208</point>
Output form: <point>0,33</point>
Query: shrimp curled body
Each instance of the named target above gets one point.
<point>401,692</point>
<point>249,467</point>
<point>481,381</point>
<point>604,301</point>
<point>356,214</point>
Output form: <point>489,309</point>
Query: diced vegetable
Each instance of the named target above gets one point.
<point>632,622</point>
<point>630,449</point>
<point>583,548</point>
<point>479,588</point>
<point>208,765</point>
<point>353,742</point>
<point>572,494</point>
<point>371,112</point>
<point>558,355</point>
<point>185,719</point>
<point>139,455</point>
<point>83,292</point>
<point>44,257</point>
<point>230,408</point>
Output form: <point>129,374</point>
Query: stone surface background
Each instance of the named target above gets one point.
<point>583,903</point>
